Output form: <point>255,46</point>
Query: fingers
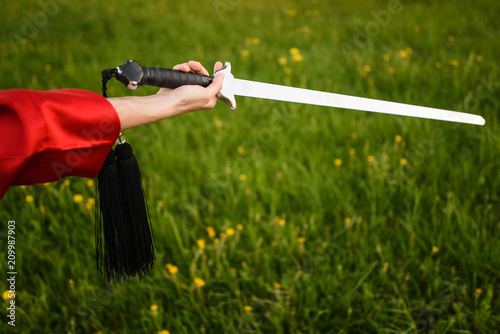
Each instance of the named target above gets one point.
<point>216,84</point>
<point>197,67</point>
<point>218,65</point>
<point>191,66</point>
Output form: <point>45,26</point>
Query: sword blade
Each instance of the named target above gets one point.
<point>307,96</point>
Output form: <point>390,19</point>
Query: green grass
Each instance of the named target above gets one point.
<point>372,245</point>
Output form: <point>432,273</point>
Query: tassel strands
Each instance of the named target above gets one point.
<point>142,254</point>
<point>124,239</point>
<point>109,220</point>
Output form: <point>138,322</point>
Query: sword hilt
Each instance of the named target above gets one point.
<point>132,75</point>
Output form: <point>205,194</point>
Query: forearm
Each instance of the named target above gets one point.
<point>139,110</point>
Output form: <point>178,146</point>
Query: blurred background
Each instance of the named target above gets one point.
<point>276,217</point>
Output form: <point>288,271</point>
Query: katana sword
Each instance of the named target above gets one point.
<point>133,76</point>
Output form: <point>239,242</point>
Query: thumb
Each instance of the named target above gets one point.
<point>216,84</point>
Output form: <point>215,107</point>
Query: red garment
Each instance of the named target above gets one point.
<point>45,136</point>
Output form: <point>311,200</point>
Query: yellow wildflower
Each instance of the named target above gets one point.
<point>403,54</point>
<point>239,227</point>
<point>255,41</point>
<point>7,295</point>
<point>71,282</point>
<point>273,243</point>
<point>46,184</point>
<point>386,56</point>
<point>403,161</point>
<point>216,241</point>
<point>282,222</point>
<point>241,149</point>
<point>453,62</point>
<point>277,285</point>
<point>245,52</point>
<point>352,151</point>
<point>90,183</point>
<point>282,61</point>
<point>66,182</point>
<point>347,220</point>
<point>29,198</point>
<point>479,58</point>
<point>201,243</point>
<point>337,162</point>
<point>172,269</point>
<point>409,50</point>
<point>248,308</point>
<point>439,64</point>
<point>199,282</point>
<point>78,198</point>
<point>435,249</point>
<point>90,203</point>
<point>41,208</point>
<point>287,70</point>
<point>302,240</point>
<point>291,12</point>
<point>230,231</point>
<point>223,235</point>
<point>367,68</point>
<point>164,331</point>
<point>398,138</point>
<point>218,123</point>
<point>294,51</point>
<point>211,232</point>
<point>298,58</point>
<point>370,158</point>
<point>154,307</point>
<point>243,177</point>
<point>478,291</point>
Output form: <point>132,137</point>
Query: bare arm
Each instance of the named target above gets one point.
<point>134,111</point>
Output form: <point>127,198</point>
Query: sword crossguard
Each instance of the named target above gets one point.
<point>226,94</point>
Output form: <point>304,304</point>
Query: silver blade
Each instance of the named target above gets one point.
<point>308,96</point>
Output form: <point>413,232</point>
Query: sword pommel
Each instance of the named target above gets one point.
<point>226,94</point>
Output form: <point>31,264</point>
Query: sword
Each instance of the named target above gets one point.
<point>133,76</point>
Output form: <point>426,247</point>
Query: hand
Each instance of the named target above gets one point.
<point>192,98</point>
<point>134,111</point>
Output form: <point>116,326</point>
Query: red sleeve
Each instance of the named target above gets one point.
<point>45,136</point>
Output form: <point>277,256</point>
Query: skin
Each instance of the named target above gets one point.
<point>135,111</point>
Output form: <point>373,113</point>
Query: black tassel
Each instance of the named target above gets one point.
<point>110,253</point>
<point>140,252</point>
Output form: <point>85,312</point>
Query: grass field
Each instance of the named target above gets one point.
<point>277,217</point>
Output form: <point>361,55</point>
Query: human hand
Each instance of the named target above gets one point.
<point>192,97</point>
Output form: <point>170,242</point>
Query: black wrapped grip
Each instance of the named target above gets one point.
<point>167,78</point>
